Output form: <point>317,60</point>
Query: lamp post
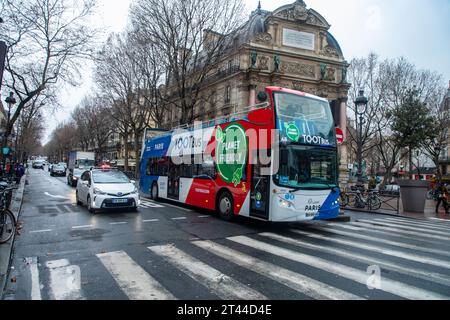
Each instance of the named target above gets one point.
<point>361,106</point>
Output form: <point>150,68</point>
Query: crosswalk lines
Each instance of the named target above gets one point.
<point>402,227</point>
<point>150,204</point>
<point>407,270</point>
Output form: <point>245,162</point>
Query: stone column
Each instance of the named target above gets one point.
<point>252,95</point>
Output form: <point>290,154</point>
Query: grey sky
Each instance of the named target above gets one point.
<point>416,29</point>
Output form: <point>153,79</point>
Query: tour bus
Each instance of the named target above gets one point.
<point>274,161</point>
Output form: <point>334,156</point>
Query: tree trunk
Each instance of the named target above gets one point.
<point>410,163</point>
<point>127,151</point>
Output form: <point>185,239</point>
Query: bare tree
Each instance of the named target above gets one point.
<point>46,41</point>
<point>192,35</point>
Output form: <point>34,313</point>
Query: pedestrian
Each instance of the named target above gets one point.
<point>372,183</point>
<point>19,172</point>
<point>442,198</point>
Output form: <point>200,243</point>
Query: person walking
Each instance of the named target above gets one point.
<point>442,197</point>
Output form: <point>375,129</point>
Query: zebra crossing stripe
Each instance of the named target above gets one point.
<point>447,222</point>
<point>396,225</point>
<point>395,253</point>
<point>35,285</point>
<point>428,276</point>
<point>132,278</point>
<point>305,285</point>
<point>381,232</point>
<point>397,230</point>
<point>146,204</point>
<point>384,241</point>
<point>387,285</point>
<point>417,224</point>
<point>65,280</point>
<point>225,287</point>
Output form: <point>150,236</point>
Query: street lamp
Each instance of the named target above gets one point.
<point>361,106</point>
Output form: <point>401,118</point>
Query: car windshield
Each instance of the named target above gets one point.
<point>109,177</point>
<point>306,167</point>
<point>77,172</point>
<point>58,167</point>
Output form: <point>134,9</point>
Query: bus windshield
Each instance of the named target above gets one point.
<point>304,120</point>
<point>307,167</point>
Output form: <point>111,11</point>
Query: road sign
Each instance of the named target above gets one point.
<point>339,136</point>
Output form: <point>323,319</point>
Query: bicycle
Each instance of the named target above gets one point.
<point>372,201</point>
<point>8,222</point>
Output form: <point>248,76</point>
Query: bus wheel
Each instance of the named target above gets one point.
<point>154,192</point>
<point>225,206</point>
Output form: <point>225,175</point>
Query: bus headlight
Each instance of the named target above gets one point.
<point>284,204</point>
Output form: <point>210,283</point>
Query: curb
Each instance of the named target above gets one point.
<point>6,249</point>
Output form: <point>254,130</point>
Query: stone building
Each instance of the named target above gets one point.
<point>290,47</point>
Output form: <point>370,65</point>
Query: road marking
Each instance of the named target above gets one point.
<point>55,196</point>
<point>204,216</point>
<point>387,285</point>
<point>396,225</point>
<point>151,220</point>
<point>179,218</point>
<point>389,234</point>
<point>148,204</point>
<point>397,230</point>
<point>117,223</point>
<point>65,280</point>
<point>177,207</point>
<point>427,276</point>
<point>389,252</point>
<point>417,224</point>
<point>41,231</point>
<point>35,286</point>
<point>83,227</point>
<point>223,286</point>
<point>134,281</point>
<point>388,242</point>
<point>298,282</point>
<point>443,220</point>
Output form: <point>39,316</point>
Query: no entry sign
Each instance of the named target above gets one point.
<point>339,136</point>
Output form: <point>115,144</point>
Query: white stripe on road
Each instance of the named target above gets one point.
<point>443,220</point>
<point>65,280</point>
<point>388,242</point>
<point>151,220</point>
<point>387,285</point>
<point>416,224</point>
<point>298,282</point>
<point>204,216</point>
<point>397,230</point>
<point>150,205</point>
<point>117,223</point>
<point>179,218</point>
<point>41,231</point>
<point>177,207</point>
<point>35,285</point>
<point>223,286</point>
<point>83,227</point>
<point>397,225</point>
<point>132,279</point>
<point>428,276</point>
<point>384,233</point>
<point>389,252</point>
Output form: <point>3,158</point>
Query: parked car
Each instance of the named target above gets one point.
<point>107,189</point>
<point>391,189</point>
<point>74,176</point>
<point>63,164</point>
<point>58,170</point>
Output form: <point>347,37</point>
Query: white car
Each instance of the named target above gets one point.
<point>107,189</point>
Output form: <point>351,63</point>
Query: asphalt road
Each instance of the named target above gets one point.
<point>166,251</point>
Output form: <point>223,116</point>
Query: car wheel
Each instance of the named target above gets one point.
<point>89,205</point>
<point>79,203</point>
<point>134,209</point>
<point>225,206</point>
<point>154,192</point>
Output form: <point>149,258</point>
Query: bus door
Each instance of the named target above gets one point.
<point>173,190</point>
<point>259,196</point>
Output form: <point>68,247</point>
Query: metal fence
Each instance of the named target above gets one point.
<point>390,203</point>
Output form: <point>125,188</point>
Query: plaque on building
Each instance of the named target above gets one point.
<point>298,39</point>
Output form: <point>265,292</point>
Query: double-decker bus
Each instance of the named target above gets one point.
<point>275,161</point>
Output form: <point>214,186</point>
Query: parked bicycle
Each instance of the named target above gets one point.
<point>360,199</point>
<point>8,222</point>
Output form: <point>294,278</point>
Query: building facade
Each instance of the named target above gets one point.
<point>445,154</point>
<point>290,47</point>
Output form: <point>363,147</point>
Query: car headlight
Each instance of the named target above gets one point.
<point>135,190</point>
<point>98,191</point>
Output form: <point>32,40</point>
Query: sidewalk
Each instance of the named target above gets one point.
<point>6,249</point>
<point>430,207</point>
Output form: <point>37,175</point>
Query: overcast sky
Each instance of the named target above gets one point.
<point>416,29</point>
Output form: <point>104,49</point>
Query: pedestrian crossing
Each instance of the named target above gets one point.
<point>150,204</point>
<point>324,261</point>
